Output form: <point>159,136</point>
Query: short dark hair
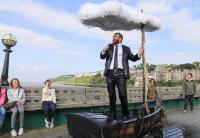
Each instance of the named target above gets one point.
<point>190,74</point>
<point>120,35</point>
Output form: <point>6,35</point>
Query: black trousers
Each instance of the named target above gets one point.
<point>49,108</point>
<point>188,99</point>
<point>120,82</point>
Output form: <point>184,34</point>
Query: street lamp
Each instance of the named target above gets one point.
<point>9,40</point>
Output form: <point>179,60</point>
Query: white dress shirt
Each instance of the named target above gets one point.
<point>119,57</point>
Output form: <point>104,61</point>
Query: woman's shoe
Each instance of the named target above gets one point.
<point>46,123</point>
<point>21,131</point>
<point>13,133</point>
<point>52,123</point>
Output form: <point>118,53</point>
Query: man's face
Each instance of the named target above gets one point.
<point>188,77</point>
<point>116,39</point>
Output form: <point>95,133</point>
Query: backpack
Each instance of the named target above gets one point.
<point>6,100</point>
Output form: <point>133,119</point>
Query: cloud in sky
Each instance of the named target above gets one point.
<point>36,40</point>
<point>44,15</point>
<point>181,21</point>
<point>41,14</point>
<point>173,58</point>
<point>35,73</point>
<point>39,25</point>
<point>178,20</point>
<point>185,27</point>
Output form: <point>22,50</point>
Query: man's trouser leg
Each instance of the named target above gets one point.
<point>122,90</point>
<point>112,96</point>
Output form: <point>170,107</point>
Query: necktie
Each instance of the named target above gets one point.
<point>115,58</point>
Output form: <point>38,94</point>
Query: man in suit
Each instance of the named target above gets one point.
<point>117,72</point>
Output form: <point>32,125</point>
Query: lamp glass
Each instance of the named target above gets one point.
<point>9,40</point>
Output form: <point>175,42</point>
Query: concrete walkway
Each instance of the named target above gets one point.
<point>57,132</point>
<point>189,122</point>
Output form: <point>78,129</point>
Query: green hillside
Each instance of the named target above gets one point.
<point>99,80</point>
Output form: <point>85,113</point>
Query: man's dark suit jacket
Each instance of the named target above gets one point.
<point>127,55</point>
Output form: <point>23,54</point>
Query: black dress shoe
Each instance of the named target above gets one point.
<point>111,117</point>
<point>125,117</point>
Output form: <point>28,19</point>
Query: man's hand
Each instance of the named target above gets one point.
<point>105,49</point>
<point>141,51</point>
<point>18,103</point>
<point>47,84</point>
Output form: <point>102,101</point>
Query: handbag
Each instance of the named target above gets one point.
<point>10,105</point>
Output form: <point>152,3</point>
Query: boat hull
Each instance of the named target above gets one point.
<point>97,125</point>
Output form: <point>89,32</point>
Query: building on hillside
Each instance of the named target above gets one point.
<point>163,73</point>
<point>160,73</point>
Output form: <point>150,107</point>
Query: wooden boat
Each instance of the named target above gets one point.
<point>97,125</point>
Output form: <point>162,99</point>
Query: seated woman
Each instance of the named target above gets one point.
<point>48,103</point>
<point>2,101</point>
<point>16,93</point>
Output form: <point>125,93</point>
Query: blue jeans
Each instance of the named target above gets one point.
<point>49,108</point>
<point>2,115</point>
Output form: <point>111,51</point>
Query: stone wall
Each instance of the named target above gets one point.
<point>92,96</point>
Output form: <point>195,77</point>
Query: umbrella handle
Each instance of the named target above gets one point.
<point>145,86</point>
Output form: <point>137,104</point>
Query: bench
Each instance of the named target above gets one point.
<point>70,97</point>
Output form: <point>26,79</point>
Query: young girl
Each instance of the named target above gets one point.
<point>2,101</point>
<point>189,90</point>
<point>48,103</point>
<point>16,93</point>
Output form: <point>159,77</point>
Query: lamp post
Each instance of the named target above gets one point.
<point>9,40</point>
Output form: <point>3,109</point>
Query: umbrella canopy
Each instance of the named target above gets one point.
<point>112,15</point>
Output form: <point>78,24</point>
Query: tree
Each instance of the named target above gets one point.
<point>151,67</point>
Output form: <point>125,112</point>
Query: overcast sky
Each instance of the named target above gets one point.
<point>53,42</point>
